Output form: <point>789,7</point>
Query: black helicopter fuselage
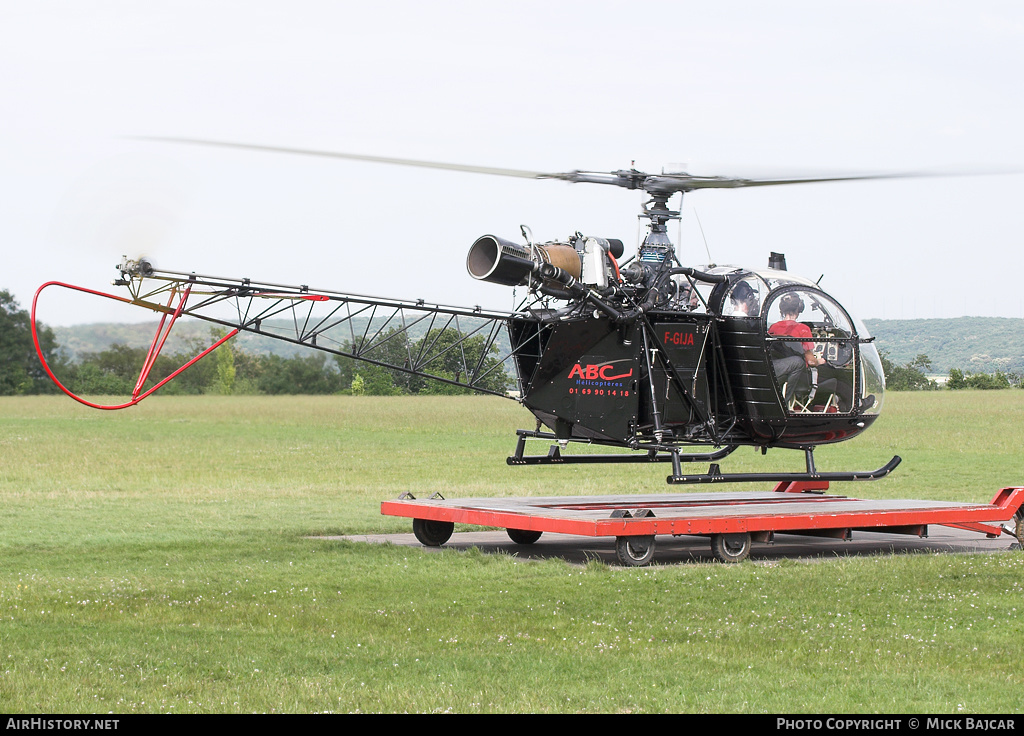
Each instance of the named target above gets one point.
<point>699,369</point>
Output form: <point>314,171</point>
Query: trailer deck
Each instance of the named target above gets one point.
<point>732,520</point>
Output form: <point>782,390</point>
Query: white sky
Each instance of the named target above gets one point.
<point>549,86</point>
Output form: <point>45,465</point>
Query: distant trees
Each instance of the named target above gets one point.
<point>910,376</point>
<point>20,369</point>
<point>114,372</point>
<point>985,381</point>
<point>227,370</point>
<point>439,352</point>
<point>303,374</point>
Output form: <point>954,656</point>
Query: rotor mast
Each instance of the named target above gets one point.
<point>658,214</point>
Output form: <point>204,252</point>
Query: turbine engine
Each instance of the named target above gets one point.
<point>558,265</point>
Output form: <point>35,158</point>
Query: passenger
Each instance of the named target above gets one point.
<point>687,294</point>
<point>744,301</point>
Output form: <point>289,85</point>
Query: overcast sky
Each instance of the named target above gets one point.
<point>723,87</point>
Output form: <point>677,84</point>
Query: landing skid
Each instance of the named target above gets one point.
<point>653,454</point>
<point>670,454</point>
<point>715,475</point>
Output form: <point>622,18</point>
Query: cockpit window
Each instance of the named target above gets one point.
<point>691,296</point>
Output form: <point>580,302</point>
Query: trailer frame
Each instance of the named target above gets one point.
<point>732,520</point>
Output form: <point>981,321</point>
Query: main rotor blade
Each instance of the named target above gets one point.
<point>688,183</point>
<point>685,182</point>
<point>656,184</point>
<point>363,157</point>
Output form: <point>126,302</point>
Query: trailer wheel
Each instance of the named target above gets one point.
<point>1019,528</point>
<point>432,533</point>
<point>730,547</point>
<point>523,536</point>
<point>634,551</point>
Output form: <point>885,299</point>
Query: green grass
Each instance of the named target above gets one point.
<point>160,559</point>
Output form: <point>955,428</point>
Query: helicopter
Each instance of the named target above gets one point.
<point>668,362</point>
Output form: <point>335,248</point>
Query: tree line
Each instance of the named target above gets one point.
<point>227,370</point>
<point>913,376</point>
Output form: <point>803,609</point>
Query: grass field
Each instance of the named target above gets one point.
<point>160,559</point>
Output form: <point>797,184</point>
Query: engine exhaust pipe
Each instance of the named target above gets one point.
<point>500,261</point>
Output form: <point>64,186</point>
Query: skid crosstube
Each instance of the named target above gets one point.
<point>795,508</point>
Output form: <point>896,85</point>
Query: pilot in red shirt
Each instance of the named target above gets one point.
<point>790,306</point>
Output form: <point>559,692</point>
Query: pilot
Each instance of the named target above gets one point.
<point>796,364</point>
<point>790,307</point>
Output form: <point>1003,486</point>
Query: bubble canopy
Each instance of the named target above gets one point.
<point>824,360</point>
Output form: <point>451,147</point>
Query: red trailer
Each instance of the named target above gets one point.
<point>732,520</point>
